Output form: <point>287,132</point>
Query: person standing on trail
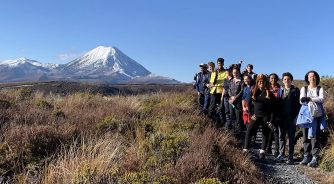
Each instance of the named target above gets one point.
<point>290,108</point>
<point>202,79</point>
<point>261,113</point>
<point>246,97</point>
<point>274,88</point>
<point>312,93</point>
<point>235,94</point>
<point>216,84</point>
<point>224,101</point>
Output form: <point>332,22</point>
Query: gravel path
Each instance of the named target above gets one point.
<point>280,172</point>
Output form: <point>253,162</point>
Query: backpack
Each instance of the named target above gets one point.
<point>314,108</point>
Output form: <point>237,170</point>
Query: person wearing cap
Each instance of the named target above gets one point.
<point>216,87</point>
<point>202,79</point>
<point>261,113</point>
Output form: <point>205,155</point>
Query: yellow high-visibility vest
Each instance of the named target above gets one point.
<point>219,85</point>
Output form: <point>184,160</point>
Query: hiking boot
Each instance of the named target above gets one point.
<point>290,161</point>
<point>305,160</point>
<point>275,154</point>
<point>262,154</point>
<point>313,163</point>
<point>280,158</point>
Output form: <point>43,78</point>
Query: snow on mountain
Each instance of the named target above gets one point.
<point>104,61</point>
<point>27,62</point>
<point>23,69</point>
<point>101,64</point>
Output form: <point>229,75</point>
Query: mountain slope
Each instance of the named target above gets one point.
<point>24,69</point>
<point>104,61</point>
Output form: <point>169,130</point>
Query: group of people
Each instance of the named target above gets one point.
<point>241,102</point>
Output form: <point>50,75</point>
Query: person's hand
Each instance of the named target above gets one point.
<point>253,118</point>
<point>305,99</point>
<point>198,93</point>
<point>270,125</point>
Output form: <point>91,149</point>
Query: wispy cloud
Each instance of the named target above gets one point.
<point>69,55</point>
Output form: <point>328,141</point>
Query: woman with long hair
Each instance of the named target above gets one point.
<point>261,113</point>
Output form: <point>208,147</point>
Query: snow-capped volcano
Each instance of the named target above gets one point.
<point>104,61</point>
<point>102,64</point>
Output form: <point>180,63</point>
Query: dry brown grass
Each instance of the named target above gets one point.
<point>85,138</point>
<point>92,160</point>
<point>213,154</point>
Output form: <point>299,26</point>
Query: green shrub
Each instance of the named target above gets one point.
<point>149,105</point>
<point>210,181</point>
<point>4,104</point>
<point>162,150</point>
<point>23,94</point>
<point>145,177</point>
<point>58,113</point>
<point>85,175</point>
<point>108,123</point>
<point>43,104</point>
<point>327,162</point>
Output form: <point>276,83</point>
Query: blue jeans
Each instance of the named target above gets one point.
<point>206,103</point>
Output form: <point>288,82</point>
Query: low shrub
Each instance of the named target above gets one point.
<point>43,104</point>
<point>210,181</point>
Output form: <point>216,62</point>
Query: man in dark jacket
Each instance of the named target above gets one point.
<point>289,95</point>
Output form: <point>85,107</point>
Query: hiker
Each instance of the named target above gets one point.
<point>274,88</point>
<point>261,113</point>
<point>235,97</point>
<point>216,84</point>
<point>246,97</point>
<point>308,94</point>
<point>226,97</point>
<point>249,71</point>
<point>203,91</point>
<point>289,95</point>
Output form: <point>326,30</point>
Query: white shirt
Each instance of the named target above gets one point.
<point>312,93</point>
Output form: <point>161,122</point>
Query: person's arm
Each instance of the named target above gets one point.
<point>302,95</point>
<point>320,98</point>
<point>296,103</point>
<point>241,90</point>
<point>197,86</point>
<point>271,107</point>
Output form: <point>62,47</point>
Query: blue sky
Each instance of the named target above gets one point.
<point>171,37</point>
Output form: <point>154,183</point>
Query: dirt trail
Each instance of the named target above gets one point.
<point>280,172</point>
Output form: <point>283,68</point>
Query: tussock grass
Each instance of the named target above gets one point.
<point>85,138</point>
<point>88,160</point>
